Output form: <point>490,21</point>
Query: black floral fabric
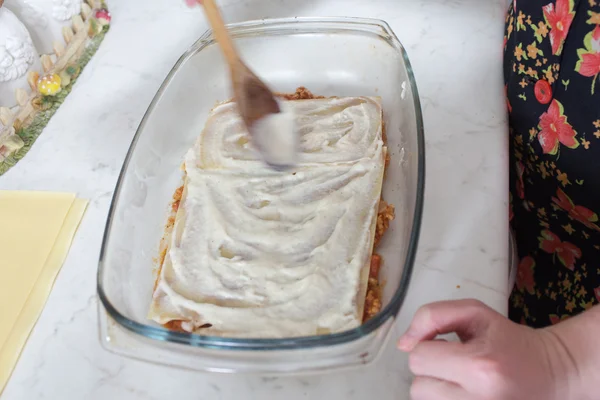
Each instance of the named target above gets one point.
<point>551,71</point>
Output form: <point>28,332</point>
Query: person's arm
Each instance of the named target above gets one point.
<point>579,341</point>
<point>498,359</point>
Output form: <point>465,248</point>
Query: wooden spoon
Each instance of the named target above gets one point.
<point>255,101</point>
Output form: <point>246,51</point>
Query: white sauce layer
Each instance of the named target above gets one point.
<point>262,253</point>
<point>276,137</point>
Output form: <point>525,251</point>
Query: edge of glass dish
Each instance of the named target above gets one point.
<point>273,27</point>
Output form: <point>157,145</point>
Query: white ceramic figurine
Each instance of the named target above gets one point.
<point>18,56</point>
<point>45,19</point>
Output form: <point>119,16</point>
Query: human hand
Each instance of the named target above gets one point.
<point>193,3</point>
<point>495,360</point>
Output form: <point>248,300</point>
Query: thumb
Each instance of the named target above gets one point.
<point>464,317</point>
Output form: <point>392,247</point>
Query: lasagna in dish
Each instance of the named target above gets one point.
<point>252,252</point>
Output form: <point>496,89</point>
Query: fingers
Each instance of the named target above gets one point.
<point>441,360</point>
<point>425,388</point>
<point>465,317</point>
<point>192,3</point>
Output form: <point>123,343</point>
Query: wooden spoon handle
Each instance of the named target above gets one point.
<point>220,31</point>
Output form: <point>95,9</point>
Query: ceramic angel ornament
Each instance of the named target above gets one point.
<point>18,57</point>
<point>45,19</point>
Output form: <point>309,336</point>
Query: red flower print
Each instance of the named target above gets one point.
<point>566,252</point>
<point>555,319</point>
<point>543,91</point>
<point>588,64</point>
<point>525,275</point>
<point>555,128</point>
<point>559,18</point>
<point>592,39</point>
<point>578,213</point>
<point>597,293</point>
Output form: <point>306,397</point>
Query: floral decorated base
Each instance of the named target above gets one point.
<point>21,126</point>
<point>48,105</point>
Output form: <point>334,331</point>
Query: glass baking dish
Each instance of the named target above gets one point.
<point>329,56</point>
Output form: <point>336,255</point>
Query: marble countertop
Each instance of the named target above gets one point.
<point>456,50</point>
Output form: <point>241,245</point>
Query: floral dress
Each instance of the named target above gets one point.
<point>551,71</point>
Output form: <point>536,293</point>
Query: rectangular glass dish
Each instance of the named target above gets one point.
<point>329,56</point>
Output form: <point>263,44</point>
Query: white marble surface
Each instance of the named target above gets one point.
<point>456,50</point>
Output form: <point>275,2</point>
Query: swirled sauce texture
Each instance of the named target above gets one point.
<point>259,253</point>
